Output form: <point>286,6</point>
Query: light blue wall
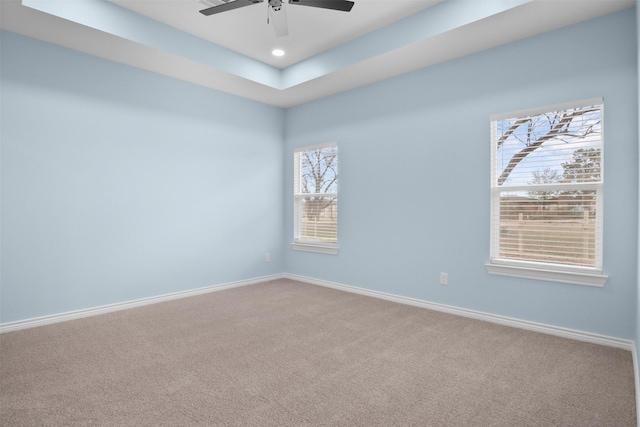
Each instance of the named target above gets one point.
<point>119,184</point>
<point>414,175</point>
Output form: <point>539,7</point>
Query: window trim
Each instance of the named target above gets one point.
<point>562,273</point>
<point>539,271</point>
<point>309,245</point>
<point>328,248</point>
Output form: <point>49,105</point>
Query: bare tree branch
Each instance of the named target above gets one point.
<point>512,129</point>
<point>559,127</point>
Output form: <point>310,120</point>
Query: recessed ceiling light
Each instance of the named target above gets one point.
<point>277,52</point>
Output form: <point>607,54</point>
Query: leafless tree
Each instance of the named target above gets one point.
<point>533,131</point>
<point>320,178</point>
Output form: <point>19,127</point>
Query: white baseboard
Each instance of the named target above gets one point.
<point>71,315</point>
<point>493,318</point>
<point>636,375</point>
<point>507,321</point>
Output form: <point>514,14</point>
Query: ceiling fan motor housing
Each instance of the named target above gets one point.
<point>275,4</point>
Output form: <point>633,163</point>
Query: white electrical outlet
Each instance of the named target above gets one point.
<point>444,278</point>
<point>267,257</point>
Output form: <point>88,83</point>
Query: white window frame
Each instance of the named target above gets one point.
<point>298,242</point>
<point>563,273</point>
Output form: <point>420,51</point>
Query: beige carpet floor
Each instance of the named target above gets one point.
<point>285,353</point>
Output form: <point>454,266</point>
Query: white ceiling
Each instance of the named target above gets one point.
<point>245,30</point>
<point>327,51</point>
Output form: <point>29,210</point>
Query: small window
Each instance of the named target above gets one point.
<point>316,198</point>
<point>546,193</point>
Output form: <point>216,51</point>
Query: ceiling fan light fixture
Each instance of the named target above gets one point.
<point>277,52</point>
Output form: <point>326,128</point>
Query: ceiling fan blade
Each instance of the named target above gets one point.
<point>342,5</point>
<point>279,19</point>
<point>236,4</point>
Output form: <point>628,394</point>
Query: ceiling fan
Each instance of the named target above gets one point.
<point>276,11</point>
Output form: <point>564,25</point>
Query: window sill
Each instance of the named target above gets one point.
<point>576,278</point>
<point>328,248</point>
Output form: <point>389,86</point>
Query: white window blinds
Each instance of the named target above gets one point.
<point>316,195</point>
<point>546,187</point>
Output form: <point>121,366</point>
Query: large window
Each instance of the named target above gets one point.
<point>316,198</point>
<point>546,193</point>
